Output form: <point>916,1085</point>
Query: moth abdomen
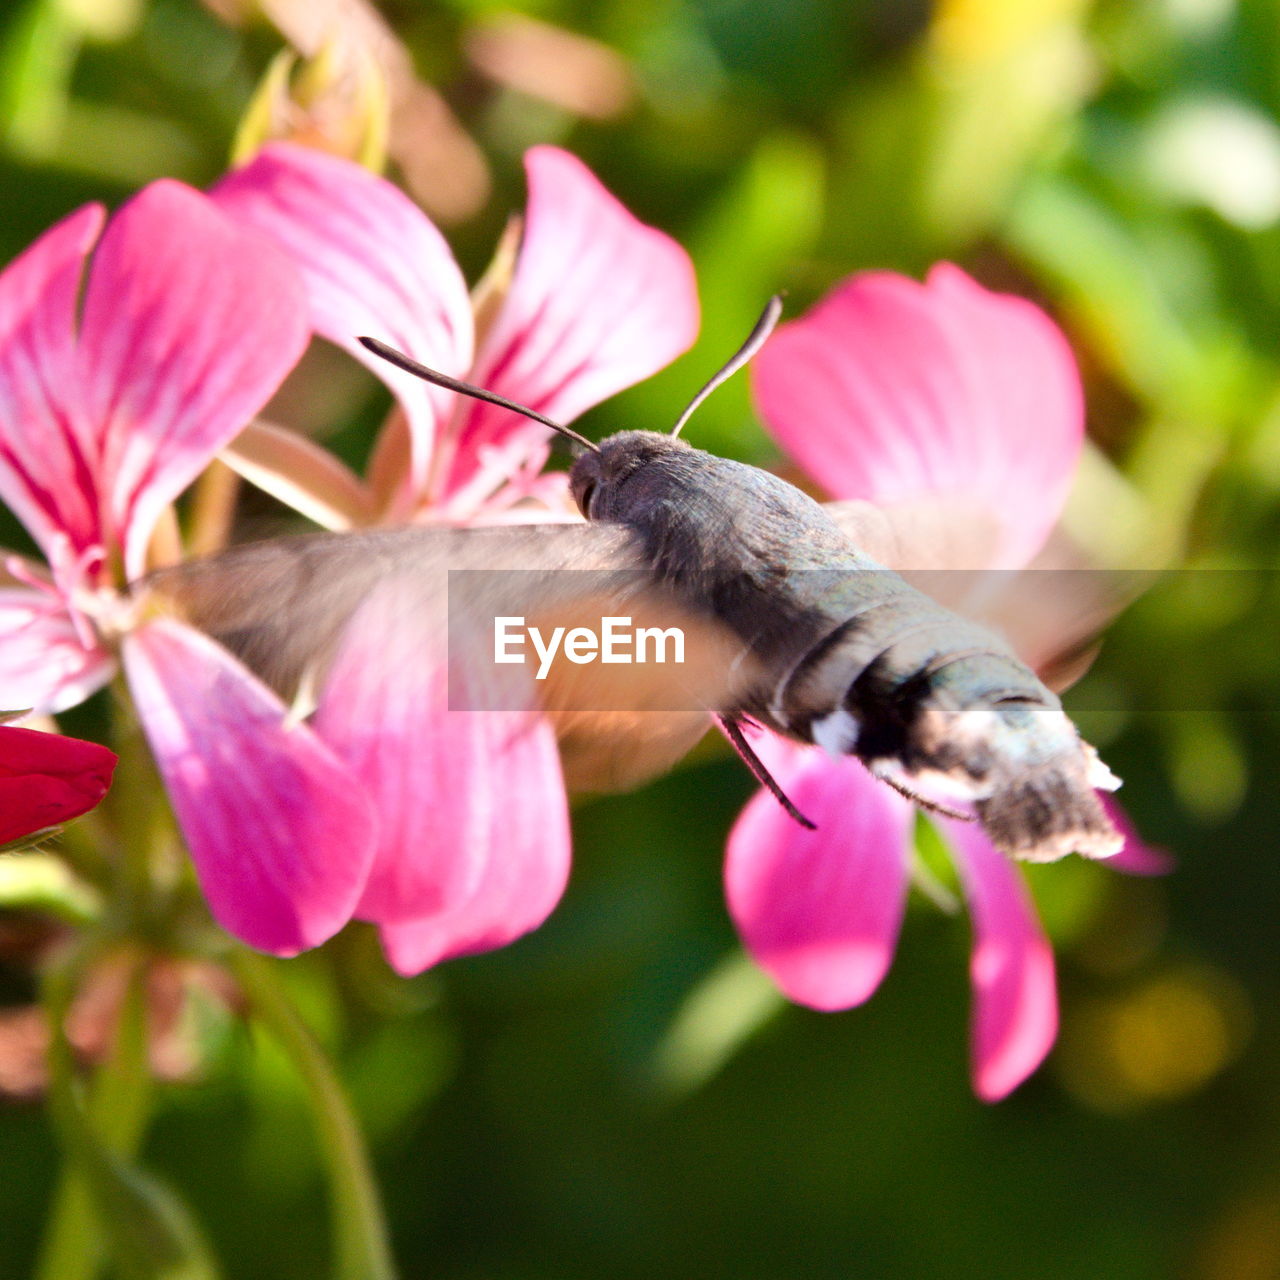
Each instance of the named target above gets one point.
<point>892,654</point>
<point>939,708</point>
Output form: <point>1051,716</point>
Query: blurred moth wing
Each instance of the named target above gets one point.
<point>283,606</point>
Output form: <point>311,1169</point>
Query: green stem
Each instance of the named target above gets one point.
<point>361,1251</point>
<point>117,1108</point>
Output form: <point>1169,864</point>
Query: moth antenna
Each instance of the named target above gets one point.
<point>762,775</point>
<point>756,340</point>
<point>410,365</point>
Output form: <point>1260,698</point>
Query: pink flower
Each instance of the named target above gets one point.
<point>450,830</point>
<point>595,302</point>
<point>46,779</point>
<point>473,846</point>
<point>965,406</point>
<point>120,378</point>
<point>940,393</point>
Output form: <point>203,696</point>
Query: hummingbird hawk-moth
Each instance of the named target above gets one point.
<point>796,626</point>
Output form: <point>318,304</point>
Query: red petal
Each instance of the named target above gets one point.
<point>46,779</point>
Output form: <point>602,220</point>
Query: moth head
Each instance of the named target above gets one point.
<point>600,472</point>
<point>598,479</point>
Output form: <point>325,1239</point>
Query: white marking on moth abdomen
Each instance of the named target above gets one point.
<point>836,732</point>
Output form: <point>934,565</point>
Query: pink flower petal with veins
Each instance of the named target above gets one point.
<point>516,812</point>
<point>820,910</point>
<point>1015,1017</point>
<point>44,665</point>
<point>894,391</point>
<point>190,324</point>
<point>474,842</point>
<point>373,264</point>
<point>599,301</point>
<point>281,834</point>
<point>47,472</point>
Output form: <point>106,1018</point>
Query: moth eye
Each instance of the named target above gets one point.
<point>584,498</point>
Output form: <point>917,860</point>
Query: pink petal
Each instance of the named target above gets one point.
<point>1015,1016</point>
<point>479,851</point>
<point>599,301</point>
<point>44,665</point>
<point>281,834</point>
<point>1137,858</point>
<point>190,324</point>
<point>429,771</point>
<point>373,265</point>
<point>521,822</point>
<point>45,477</point>
<point>46,779</point>
<point>895,391</point>
<point>820,910</point>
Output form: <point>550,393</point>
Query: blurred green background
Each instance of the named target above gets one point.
<point>621,1095</point>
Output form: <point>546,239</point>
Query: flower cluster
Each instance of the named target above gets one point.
<point>195,307</point>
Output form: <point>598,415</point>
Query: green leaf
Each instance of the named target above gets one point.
<point>43,882</point>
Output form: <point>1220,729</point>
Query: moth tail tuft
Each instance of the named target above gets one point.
<point>1048,813</point>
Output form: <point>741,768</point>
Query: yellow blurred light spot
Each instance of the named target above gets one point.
<point>979,30</point>
<point>105,20</point>
<point>1208,765</point>
<point>1196,19</point>
<point>1170,1038</point>
<point>43,882</point>
<point>1158,1042</point>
